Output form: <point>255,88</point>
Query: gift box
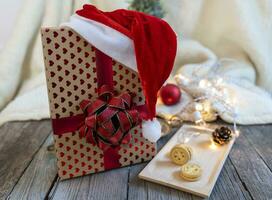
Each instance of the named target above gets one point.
<point>97,103</point>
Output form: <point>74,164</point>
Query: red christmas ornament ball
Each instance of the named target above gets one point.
<point>170,94</point>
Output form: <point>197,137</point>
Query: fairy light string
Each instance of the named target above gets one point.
<point>209,90</point>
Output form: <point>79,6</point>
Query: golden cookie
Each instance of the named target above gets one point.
<point>191,172</point>
<point>189,179</point>
<point>181,154</point>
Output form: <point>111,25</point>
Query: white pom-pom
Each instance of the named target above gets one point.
<point>151,130</point>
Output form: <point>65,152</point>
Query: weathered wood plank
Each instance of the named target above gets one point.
<point>105,185</point>
<point>252,171</point>
<point>137,187</point>
<point>228,185</point>
<point>260,137</point>
<point>19,142</point>
<point>144,190</point>
<point>39,176</point>
<point>246,175</point>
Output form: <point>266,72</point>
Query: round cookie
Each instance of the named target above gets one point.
<point>181,154</point>
<point>191,172</point>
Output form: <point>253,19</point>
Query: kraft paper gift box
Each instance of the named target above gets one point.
<point>104,70</point>
<point>71,74</point>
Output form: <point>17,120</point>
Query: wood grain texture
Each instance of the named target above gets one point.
<point>144,190</point>
<point>20,141</point>
<point>23,157</point>
<point>38,177</point>
<point>228,185</point>
<point>260,138</point>
<point>105,185</point>
<point>251,168</point>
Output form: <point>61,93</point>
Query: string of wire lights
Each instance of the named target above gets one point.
<point>209,91</point>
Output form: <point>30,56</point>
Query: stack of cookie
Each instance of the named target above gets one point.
<point>181,155</point>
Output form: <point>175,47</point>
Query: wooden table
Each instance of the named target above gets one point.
<point>28,170</point>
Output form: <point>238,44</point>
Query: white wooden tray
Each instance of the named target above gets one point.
<point>210,157</point>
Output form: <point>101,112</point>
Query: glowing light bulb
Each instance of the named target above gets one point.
<point>198,106</point>
<point>237,133</point>
<point>214,90</point>
<point>213,145</point>
<point>229,101</point>
<point>204,83</point>
<point>182,79</point>
<point>219,81</point>
<point>186,140</point>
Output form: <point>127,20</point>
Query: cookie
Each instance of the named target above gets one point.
<point>181,154</point>
<point>191,172</point>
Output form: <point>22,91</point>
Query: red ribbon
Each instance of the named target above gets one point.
<point>107,120</point>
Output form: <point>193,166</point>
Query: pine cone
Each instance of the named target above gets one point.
<point>222,135</point>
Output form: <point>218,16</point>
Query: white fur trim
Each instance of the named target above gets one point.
<point>151,130</point>
<point>106,39</point>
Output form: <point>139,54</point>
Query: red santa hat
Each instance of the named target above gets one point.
<point>142,42</point>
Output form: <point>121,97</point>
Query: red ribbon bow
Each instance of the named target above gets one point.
<point>108,119</point>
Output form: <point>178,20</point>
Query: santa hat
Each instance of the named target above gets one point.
<point>141,42</point>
